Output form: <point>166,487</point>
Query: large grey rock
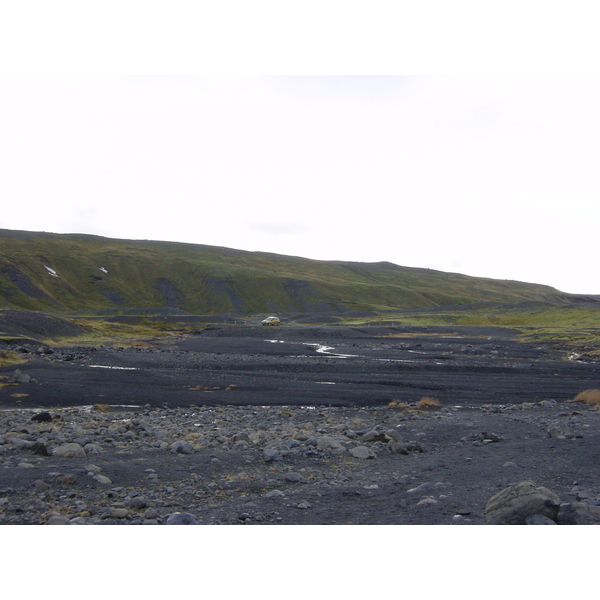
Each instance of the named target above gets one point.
<point>578,513</point>
<point>71,450</point>
<point>179,518</point>
<point>514,504</point>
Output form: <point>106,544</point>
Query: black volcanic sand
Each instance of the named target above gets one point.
<point>321,366</point>
<point>504,403</point>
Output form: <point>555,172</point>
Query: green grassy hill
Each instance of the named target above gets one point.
<point>72,272</point>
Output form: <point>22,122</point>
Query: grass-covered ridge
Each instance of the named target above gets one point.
<point>72,272</point>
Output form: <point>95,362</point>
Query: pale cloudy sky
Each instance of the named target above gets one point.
<point>491,175</point>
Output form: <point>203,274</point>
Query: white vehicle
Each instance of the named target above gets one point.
<point>271,321</point>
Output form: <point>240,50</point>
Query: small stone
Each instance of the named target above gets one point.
<point>41,485</point>
<point>374,436</point>
<point>71,450</point>
<point>93,469</point>
<point>179,518</point>
<point>304,505</point>
<point>274,494</point>
<point>393,434</point>
<point>427,501</point>
<point>25,465</point>
<point>421,489</point>
<point>119,513</point>
<point>295,478</point>
<point>271,454</point>
<point>509,463</point>
<point>151,513</point>
<point>92,448</point>
<point>397,447</point>
<point>78,521</point>
<point>68,478</point>
<point>137,502</point>
<point>102,479</point>
<point>362,452</point>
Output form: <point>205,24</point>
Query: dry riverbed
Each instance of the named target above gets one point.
<point>288,464</point>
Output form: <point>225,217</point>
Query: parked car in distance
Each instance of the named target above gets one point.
<point>271,321</point>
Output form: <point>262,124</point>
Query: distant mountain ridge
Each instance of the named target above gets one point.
<point>73,272</point>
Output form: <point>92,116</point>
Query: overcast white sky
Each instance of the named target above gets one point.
<point>491,175</point>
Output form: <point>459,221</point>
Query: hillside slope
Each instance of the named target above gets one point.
<point>70,272</point>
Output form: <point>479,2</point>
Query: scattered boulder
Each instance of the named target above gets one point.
<point>181,448</point>
<point>328,443</point>
<point>42,417</point>
<point>560,431</point>
<point>421,489</point>
<point>271,454</point>
<point>102,479</point>
<point>20,377</point>
<point>71,450</point>
<point>362,452</point>
<point>578,513</point>
<point>137,502</point>
<point>179,518</point>
<point>515,503</point>
<point>397,447</point>
<point>295,478</point>
<point>374,436</point>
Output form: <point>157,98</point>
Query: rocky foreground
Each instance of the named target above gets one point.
<point>98,465</point>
